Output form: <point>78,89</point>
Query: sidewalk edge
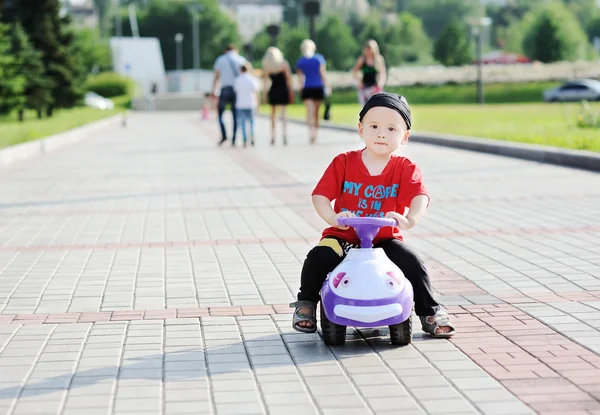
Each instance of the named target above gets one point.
<point>579,159</point>
<point>23,151</point>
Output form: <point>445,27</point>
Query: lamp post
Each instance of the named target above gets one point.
<point>273,31</point>
<point>118,26</point>
<point>179,55</point>
<point>194,9</point>
<point>477,26</point>
<point>311,10</point>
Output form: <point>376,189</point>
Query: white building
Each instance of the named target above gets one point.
<point>344,7</point>
<point>252,18</point>
<point>83,12</point>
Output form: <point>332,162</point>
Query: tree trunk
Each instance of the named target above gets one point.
<point>39,113</point>
<point>21,115</point>
<point>49,111</point>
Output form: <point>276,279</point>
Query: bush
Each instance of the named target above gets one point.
<point>110,84</point>
<point>501,93</point>
<point>555,35</point>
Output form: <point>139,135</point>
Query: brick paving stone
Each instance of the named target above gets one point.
<point>164,267</point>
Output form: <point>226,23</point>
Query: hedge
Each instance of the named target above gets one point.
<point>110,84</point>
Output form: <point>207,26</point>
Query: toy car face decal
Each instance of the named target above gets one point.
<point>341,278</point>
<point>394,281</point>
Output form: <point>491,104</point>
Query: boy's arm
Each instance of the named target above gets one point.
<point>323,207</point>
<point>417,209</point>
<point>324,210</point>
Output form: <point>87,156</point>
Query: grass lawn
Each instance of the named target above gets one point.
<point>547,124</point>
<point>14,132</point>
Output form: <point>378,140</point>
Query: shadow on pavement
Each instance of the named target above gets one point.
<point>197,363</point>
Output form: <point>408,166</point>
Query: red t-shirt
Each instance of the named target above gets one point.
<point>349,183</point>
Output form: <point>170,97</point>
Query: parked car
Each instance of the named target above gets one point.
<point>577,90</point>
<point>502,58</point>
<point>94,100</point>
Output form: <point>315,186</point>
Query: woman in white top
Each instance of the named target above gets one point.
<point>246,90</point>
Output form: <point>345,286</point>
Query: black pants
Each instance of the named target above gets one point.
<point>321,260</point>
<point>227,96</point>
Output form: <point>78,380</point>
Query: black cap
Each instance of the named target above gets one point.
<point>393,101</point>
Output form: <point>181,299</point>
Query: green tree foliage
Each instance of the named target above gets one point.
<point>436,14</point>
<point>52,36</point>
<point>105,12</point>
<point>593,29</point>
<point>406,41</point>
<point>555,35</point>
<point>453,47</point>
<point>510,38</point>
<point>292,10</point>
<point>584,10</point>
<point>355,22</point>
<point>38,86</point>
<point>12,82</point>
<point>336,44</point>
<point>94,50</point>
<point>67,68</point>
<point>259,44</point>
<point>373,29</point>
<point>289,43</point>
<point>163,19</point>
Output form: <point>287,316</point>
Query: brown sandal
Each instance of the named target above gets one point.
<point>440,319</point>
<point>300,317</point>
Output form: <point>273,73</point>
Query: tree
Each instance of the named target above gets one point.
<point>12,85</point>
<point>453,48</point>
<point>70,85</point>
<point>555,35</point>
<point>52,36</point>
<point>355,22</point>
<point>37,85</point>
<point>584,10</point>
<point>292,10</point>
<point>105,11</point>
<point>335,42</point>
<point>259,44</point>
<point>406,41</point>
<point>436,14</point>
<point>163,19</point>
<point>95,52</point>
<point>289,43</point>
<point>593,30</point>
<point>373,29</point>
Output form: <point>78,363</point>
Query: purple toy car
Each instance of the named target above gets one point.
<point>366,290</point>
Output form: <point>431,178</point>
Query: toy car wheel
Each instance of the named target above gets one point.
<point>401,334</point>
<point>333,334</point>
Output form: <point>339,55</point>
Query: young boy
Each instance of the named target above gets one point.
<point>372,182</point>
<point>246,90</point>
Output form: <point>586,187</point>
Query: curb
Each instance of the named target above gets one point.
<point>579,159</point>
<point>45,145</point>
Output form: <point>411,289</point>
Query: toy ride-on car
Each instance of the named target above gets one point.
<point>366,289</point>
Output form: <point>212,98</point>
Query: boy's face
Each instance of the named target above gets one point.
<point>383,130</point>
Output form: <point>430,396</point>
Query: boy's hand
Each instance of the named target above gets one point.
<point>403,222</point>
<point>346,214</point>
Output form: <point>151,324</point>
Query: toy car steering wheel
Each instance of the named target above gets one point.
<point>367,227</point>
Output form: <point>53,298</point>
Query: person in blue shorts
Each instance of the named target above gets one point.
<point>312,76</point>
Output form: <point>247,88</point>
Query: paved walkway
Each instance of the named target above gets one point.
<point>144,270</point>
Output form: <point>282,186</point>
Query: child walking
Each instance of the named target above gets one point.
<point>372,182</point>
<point>246,90</point>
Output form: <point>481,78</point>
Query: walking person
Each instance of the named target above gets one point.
<point>277,72</point>
<point>369,72</point>
<point>246,91</point>
<point>226,69</point>
<point>312,76</point>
